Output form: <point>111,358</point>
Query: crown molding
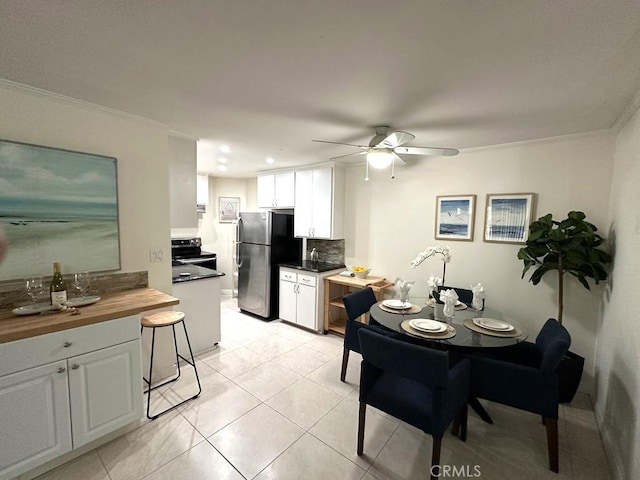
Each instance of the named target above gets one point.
<point>38,92</point>
<point>628,112</point>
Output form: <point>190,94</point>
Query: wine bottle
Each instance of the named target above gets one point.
<point>57,289</point>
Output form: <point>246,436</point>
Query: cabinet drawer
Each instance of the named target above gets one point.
<point>288,276</point>
<point>307,279</point>
<point>31,352</point>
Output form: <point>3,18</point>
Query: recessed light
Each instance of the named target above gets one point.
<point>270,160</point>
<point>222,160</point>
<point>225,148</point>
<point>222,168</point>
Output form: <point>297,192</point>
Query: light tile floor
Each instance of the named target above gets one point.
<point>273,407</point>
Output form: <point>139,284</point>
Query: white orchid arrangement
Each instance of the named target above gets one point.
<point>434,282</point>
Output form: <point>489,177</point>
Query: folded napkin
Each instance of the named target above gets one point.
<point>478,296</point>
<point>403,287</point>
<point>449,297</point>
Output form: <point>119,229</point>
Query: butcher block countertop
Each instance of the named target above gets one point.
<point>109,307</point>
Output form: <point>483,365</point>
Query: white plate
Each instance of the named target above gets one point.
<point>493,324</point>
<point>46,307</point>
<point>397,304</point>
<point>429,326</point>
<point>82,301</point>
<point>33,309</point>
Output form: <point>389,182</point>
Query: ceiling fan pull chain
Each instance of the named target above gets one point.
<point>393,164</point>
<point>366,172</point>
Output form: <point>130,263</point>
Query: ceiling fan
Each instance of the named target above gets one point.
<point>384,147</point>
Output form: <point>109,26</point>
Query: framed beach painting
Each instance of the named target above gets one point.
<point>57,206</point>
<point>228,210</point>
<point>455,217</point>
<point>508,217</point>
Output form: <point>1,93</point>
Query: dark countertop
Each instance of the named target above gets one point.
<point>187,273</point>
<point>310,266</point>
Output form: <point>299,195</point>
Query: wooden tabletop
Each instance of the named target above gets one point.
<point>109,307</point>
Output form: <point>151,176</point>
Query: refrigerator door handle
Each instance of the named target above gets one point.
<point>239,230</point>
<point>238,242</point>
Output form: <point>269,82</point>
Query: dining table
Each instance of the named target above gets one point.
<point>468,330</point>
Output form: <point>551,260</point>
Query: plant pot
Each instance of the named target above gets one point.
<point>569,374</point>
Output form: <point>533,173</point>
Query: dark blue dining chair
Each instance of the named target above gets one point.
<point>414,384</point>
<point>524,376</point>
<point>356,304</point>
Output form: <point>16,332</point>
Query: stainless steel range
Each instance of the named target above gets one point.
<point>188,251</point>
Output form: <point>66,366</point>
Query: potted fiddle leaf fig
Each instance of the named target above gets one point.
<point>568,246</point>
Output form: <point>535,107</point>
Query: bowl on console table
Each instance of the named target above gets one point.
<point>360,272</point>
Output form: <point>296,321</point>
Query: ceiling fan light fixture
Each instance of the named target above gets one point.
<point>380,158</point>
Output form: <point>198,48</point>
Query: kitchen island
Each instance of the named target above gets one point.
<point>70,380</point>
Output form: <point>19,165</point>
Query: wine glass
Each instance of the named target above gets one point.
<point>34,288</point>
<point>81,282</point>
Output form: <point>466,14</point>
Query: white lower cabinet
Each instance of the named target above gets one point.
<point>92,387</point>
<point>105,390</point>
<point>301,297</point>
<point>298,298</point>
<point>35,419</point>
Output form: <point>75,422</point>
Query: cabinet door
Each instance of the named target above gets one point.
<point>105,390</point>
<point>306,308</point>
<point>287,296</point>
<point>322,202</point>
<point>34,418</point>
<point>266,191</point>
<point>285,190</point>
<point>303,218</point>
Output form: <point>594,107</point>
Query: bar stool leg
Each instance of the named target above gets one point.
<point>192,362</point>
<point>153,341</point>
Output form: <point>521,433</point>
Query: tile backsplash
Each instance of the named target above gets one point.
<point>14,294</point>
<point>331,251</point>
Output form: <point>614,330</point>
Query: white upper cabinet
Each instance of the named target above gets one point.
<point>319,202</point>
<point>276,190</point>
<point>182,183</point>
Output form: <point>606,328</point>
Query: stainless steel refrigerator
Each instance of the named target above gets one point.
<point>263,241</point>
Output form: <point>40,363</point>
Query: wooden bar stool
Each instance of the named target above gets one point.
<point>160,320</point>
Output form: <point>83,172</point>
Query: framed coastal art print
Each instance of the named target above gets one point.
<point>508,217</point>
<point>57,206</point>
<point>455,216</point>
<point>229,207</point>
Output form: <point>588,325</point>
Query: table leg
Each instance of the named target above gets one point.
<point>479,409</point>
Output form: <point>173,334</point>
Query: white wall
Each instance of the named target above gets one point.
<point>618,377</point>
<point>142,152</point>
<point>389,221</point>
<point>218,237</point>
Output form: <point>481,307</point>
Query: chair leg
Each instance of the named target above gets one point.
<point>345,360</point>
<point>361,418</point>
<point>435,458</point>
<point>552,442</point>
<point>463,421</point>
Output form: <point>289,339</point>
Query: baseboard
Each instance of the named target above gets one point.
<point>616,463</point>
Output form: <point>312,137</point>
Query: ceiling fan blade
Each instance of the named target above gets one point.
<point>432,151</point>
<point>348,155</point>
<point>398,160</point>
<point>340,143</point>
<point>395,139</point>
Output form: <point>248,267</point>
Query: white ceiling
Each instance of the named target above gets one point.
<point>267,77</point>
